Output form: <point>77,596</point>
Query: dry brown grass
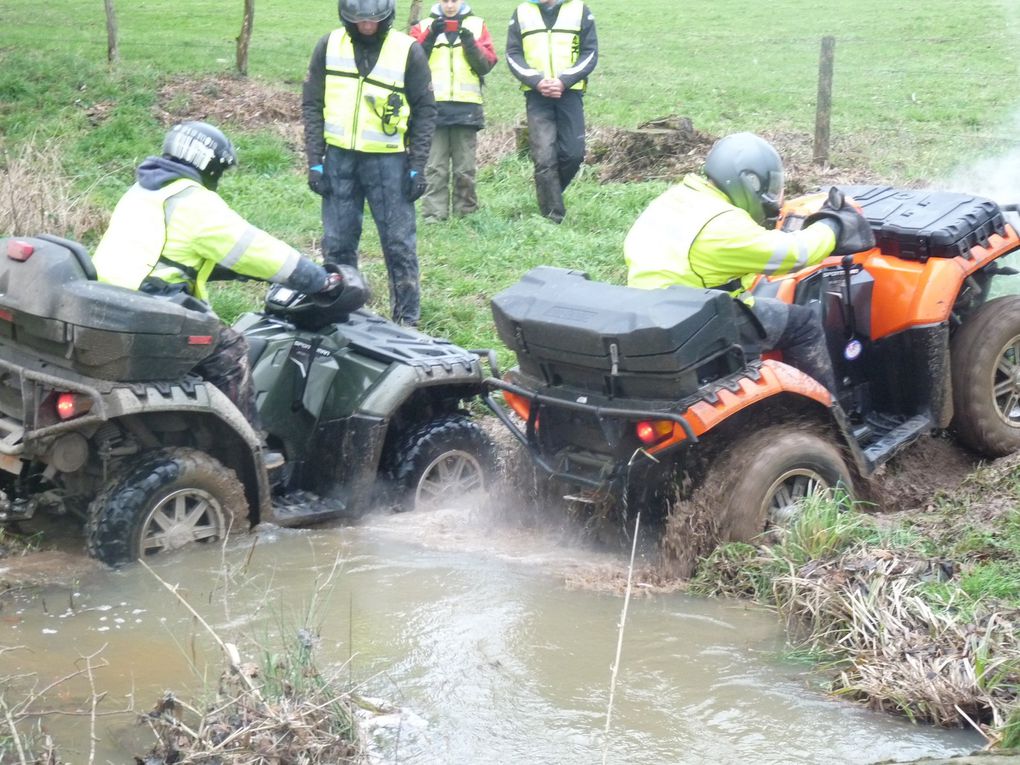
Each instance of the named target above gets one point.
<point>240,726</point>
<point>901,652</point>
<point>36,202</point>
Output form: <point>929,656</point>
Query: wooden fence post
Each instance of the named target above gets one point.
<point>112,52</point>
<point>244,38</point>
<point>823,114</point>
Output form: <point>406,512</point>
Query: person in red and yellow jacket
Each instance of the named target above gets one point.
<point>707,232</point>
<point>460,53</point>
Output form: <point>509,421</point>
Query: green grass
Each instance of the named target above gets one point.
<point>916,92</point>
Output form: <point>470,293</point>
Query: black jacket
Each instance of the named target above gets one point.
<point>417,87</point>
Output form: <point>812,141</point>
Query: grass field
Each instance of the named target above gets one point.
<point>918,92</point>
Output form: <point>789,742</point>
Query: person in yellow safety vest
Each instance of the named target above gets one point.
<point>369,114</point>
<point>552,48</point>
<point>461,53</point>
<point>171,232</point>
<point>707,232</point>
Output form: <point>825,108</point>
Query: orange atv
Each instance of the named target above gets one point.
<point>626,394</point>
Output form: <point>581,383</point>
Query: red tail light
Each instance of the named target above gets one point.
<point>6,315</point>
<point>199,339</point>
<point>652,431</point>
<point>70,405</point>
<point>519,404</point>
<point>19,250</point>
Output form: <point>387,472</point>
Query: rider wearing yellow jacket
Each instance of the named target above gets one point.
<point>708,233</point>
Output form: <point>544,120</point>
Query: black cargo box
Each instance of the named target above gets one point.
<point>617,341</point>
<point>48,304</point>
<point>917,225</point>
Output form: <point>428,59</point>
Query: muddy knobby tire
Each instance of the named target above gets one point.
<point>446,457</point>
<point>985,359</point>
<point>121,525</point>
<point>757,468</point>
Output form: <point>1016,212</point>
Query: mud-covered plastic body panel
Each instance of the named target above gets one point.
<point>568,330</point>
<point>51,306</point>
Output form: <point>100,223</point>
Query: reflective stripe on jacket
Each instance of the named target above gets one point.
<point>453,79</point>
<point>366,113</point>
<point>693,235</point>
<point>179,233</point>
<point>551,51</point>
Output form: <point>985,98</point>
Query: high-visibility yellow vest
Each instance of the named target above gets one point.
<point>453,79</point>
<point>366,113</point>
<point>693,235</point>
<point>179,233</point>
<point>552,51</point>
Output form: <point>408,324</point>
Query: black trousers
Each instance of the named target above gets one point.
<point>556,135</point>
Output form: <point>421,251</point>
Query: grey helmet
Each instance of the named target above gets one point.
<point>202,146</point>
<point>353,11</point>
<point>749,171</point>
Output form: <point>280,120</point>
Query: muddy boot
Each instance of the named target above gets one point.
<point>550,195</point>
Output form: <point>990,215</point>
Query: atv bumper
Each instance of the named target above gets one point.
<point>596,470</point>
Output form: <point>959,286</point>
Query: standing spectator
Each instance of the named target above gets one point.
<point>369,114</point>
<point>552,48</point>
<point>460,53</point>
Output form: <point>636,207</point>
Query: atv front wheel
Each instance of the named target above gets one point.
<point>763,479</point>
<point>986,378</point>
<point>441,462</point>
<point>169,499</point>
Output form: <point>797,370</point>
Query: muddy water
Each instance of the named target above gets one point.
<point>474,633</point>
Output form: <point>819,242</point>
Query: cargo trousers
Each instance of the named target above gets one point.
<point>453,153</point>
<point>556,137</point>
<point>354,177</point>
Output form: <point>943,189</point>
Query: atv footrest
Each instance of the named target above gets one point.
<point>882,435</point>
<point>297,508</point>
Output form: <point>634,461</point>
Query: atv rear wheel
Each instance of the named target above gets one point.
<point>986,378</point>
<point>441,462</point>
<point>168,499</point>
<point>763,478</point>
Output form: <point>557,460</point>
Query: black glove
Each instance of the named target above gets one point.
<point>438,27</point>
<point>853,232</point>
<point>465,36</point>
<point>414,185</point>
<point>317,181</point>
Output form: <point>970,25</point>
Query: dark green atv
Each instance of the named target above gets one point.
<point>100,415</point>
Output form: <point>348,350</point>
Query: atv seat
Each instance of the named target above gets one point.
<point>81,255</point>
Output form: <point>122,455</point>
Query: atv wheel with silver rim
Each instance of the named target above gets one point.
<point>169,499</point>
<point>441,463</point>
<point>764,478</point>
<point>985,358</point>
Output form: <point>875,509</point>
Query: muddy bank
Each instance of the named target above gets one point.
<point>661,149</point>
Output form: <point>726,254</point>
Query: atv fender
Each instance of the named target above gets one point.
<point>722,400</point>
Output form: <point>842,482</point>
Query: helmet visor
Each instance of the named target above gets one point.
<point>772,197</point>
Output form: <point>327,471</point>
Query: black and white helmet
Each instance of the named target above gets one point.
<point>203,147</point>
<point>749,171</point>
<point>353,11</point>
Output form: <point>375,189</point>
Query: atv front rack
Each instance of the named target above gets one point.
<point>528,437</point>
